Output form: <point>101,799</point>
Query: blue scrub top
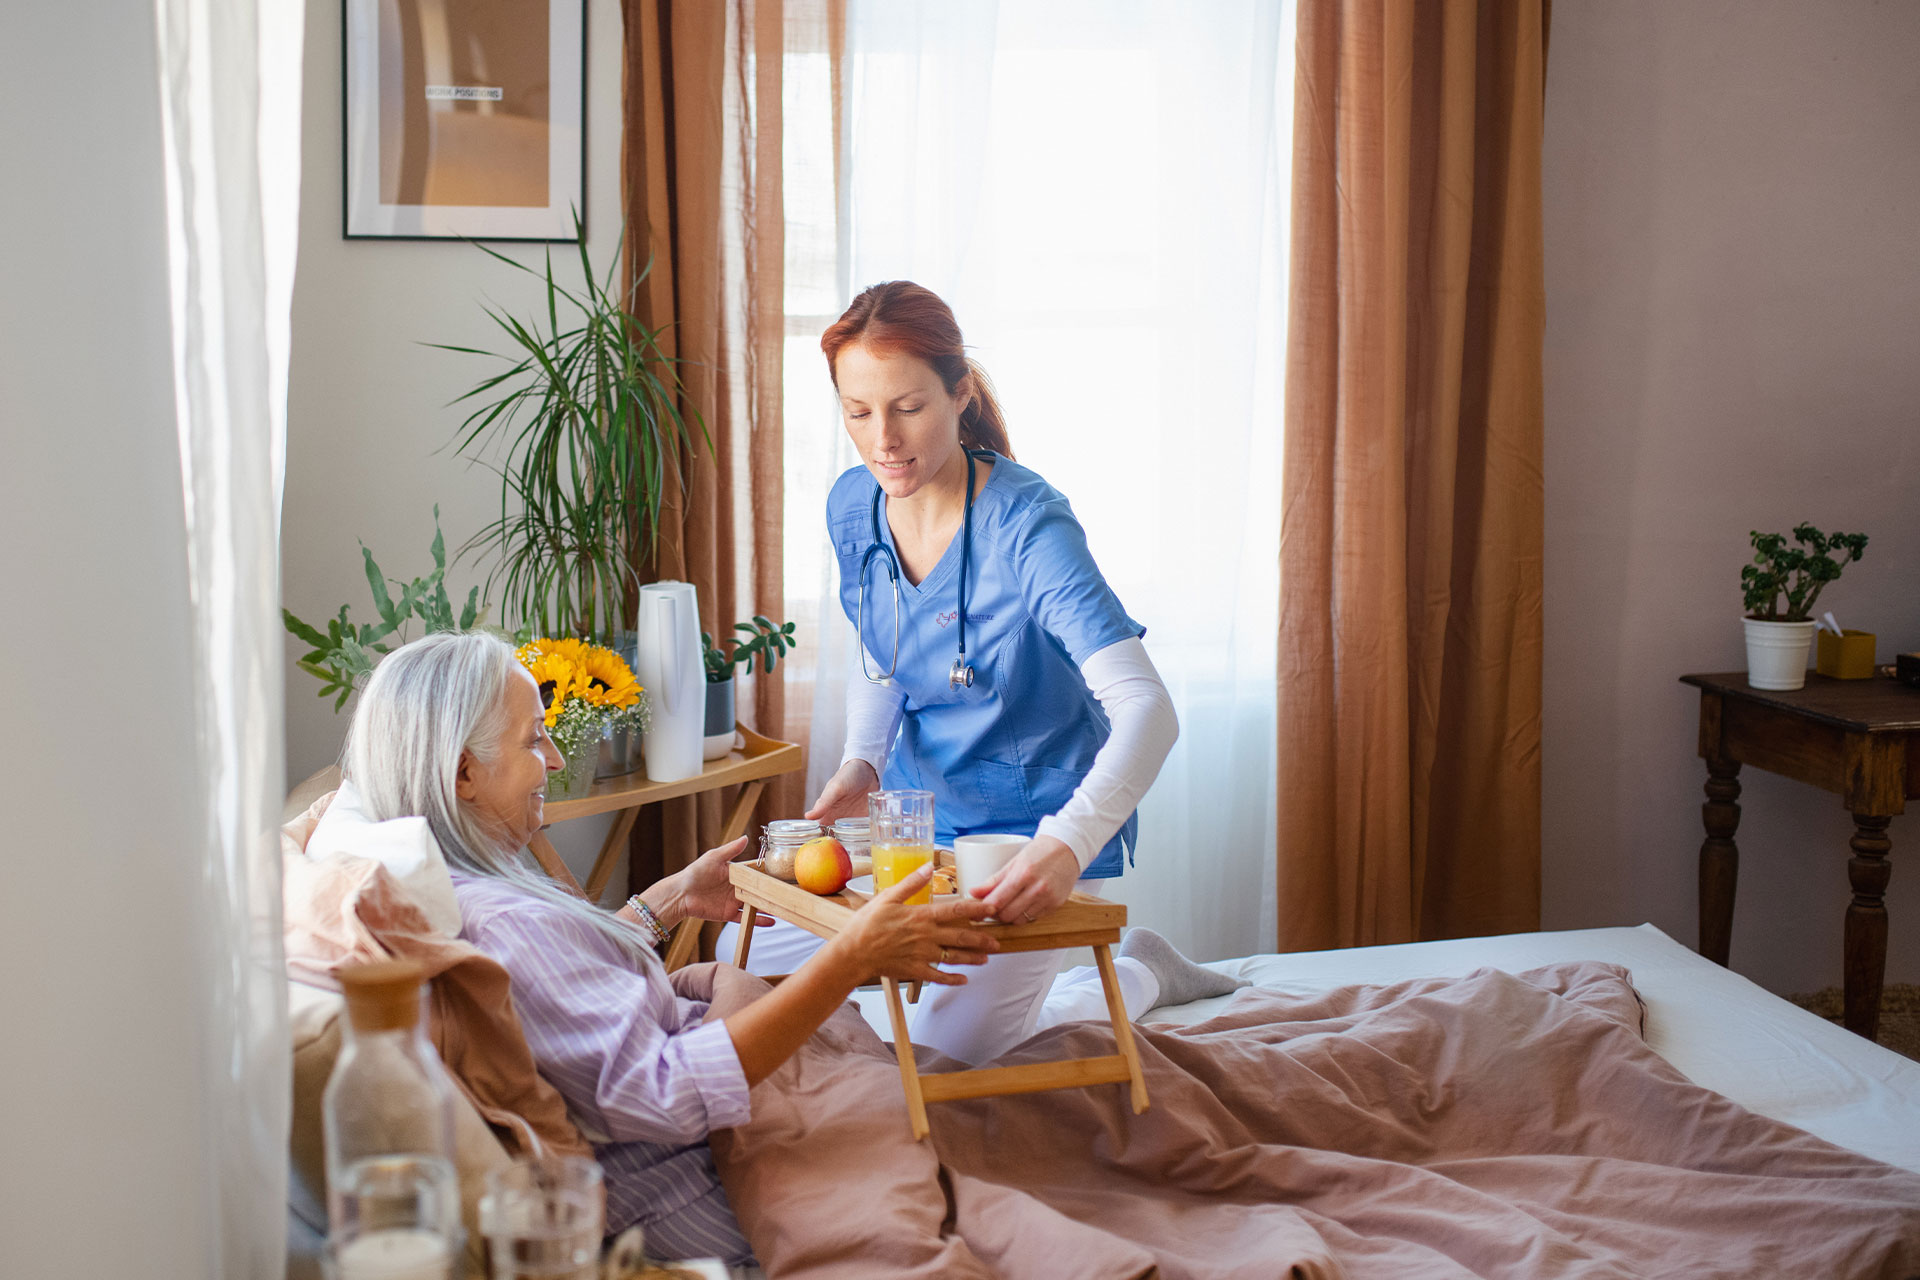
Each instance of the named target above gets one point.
<point>1010,750</point>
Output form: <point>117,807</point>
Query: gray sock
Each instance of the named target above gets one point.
<point>1181,980</point>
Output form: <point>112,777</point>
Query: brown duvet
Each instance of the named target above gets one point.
<point>1492,1125</point>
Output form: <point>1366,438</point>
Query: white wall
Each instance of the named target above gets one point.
<point>1733,342</point>
<point>104,1167</point>
<point>369,429</point>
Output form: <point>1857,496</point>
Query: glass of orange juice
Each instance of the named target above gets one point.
<point>902,828</point>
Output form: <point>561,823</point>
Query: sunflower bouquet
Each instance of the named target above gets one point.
<point>586,689</point>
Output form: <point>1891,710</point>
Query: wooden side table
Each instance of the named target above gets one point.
<point>759,759</point>
<point>1082,921</point>
<point>1859,739</point>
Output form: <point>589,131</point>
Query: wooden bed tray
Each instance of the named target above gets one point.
<point>1081,921</point>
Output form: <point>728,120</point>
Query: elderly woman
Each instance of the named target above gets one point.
<point>451,728</point>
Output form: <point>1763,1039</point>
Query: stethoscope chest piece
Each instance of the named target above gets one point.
<point>960,675</point>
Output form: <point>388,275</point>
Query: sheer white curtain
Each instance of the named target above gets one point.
<point>1099,189</point>
<point>230,110</point>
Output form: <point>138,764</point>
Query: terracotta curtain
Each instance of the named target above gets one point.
<point>700,164</point>
<point>1410,551</point>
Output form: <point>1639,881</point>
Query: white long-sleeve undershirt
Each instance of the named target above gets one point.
<point>1145,728</point>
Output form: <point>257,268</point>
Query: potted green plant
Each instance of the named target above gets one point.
<point>1780,587</point>
<point>585,428</point>
<point>765,641</point>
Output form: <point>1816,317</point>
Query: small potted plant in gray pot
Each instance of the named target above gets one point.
<point>1780,587</point>
<point>765,641</point>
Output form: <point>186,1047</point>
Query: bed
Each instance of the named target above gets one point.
<point>1712,1027</point>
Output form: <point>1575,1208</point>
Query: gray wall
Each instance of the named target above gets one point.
<point>1733,342</point>
<point>369,427</point>
<point>104,1163</point>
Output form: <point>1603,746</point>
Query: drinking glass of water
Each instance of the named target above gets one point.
<point>543,1219</point>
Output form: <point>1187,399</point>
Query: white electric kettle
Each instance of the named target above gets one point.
<point>670,671</point>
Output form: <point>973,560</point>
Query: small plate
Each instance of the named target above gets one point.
<point>864,884</point>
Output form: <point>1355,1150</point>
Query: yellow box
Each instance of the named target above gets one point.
<point>1848,656</point>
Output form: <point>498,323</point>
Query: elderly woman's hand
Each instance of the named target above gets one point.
<point>702,889</point>
<point>1037,880</point>
<point>889,939</point>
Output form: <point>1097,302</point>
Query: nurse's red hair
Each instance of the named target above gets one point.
<point>903,318</point>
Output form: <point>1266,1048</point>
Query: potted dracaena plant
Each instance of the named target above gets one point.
<point>1780,587</point>
<point>765,641</point>
<point>586,427</point>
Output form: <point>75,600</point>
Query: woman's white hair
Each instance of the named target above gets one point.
<point>427,704</point>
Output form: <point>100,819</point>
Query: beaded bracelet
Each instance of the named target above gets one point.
<point>648,920</point>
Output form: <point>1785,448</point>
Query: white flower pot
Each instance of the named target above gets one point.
<point>1777,653</point>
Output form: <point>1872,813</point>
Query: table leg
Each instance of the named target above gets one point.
<point>1719,859</point>
<point>549,859</point>
<point>748,915</point>
<point>1866,931</point>
<point>609,852</point>
<point>903,1050</point>
<point>742,811</point>
<point>1122,1028</point>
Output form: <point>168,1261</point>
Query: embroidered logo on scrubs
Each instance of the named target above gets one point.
<point>951,616</point>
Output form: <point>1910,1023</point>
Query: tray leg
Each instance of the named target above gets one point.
<point>745,944</point>
<point>1122,1029</point>
<point>903,1049</point>
<point>913,992</point>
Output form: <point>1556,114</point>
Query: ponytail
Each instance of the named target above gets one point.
<point>981,423</point>
<point>899,317</point>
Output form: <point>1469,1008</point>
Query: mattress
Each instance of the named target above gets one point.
<point>1722,1031</point>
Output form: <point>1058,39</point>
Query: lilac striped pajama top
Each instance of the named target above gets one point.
<point>643,1076</point>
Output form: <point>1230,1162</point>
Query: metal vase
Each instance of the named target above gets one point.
<point>619,752</point>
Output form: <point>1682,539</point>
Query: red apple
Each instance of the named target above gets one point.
<point>822,866</point>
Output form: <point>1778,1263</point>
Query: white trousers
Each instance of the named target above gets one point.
<point>1006,1000</point>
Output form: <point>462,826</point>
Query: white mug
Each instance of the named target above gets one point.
<point>978,858</point>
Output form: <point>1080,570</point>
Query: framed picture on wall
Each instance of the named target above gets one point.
<point>464,118</point>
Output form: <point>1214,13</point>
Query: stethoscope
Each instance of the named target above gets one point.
<point>960,675</point>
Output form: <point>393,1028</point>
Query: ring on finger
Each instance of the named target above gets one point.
<point>943,955</point>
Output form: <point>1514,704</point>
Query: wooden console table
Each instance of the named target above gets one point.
<point>1859,739</point>
<point>759,759</point>
<point>1081,921</point>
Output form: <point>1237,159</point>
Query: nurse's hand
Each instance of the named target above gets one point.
<point>1037,880</point>
<point>845,795</point>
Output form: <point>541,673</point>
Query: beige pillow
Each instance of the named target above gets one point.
<point>404,846</point>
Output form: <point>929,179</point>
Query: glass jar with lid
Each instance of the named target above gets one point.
<point>856,834</point>
<point>781,840</point>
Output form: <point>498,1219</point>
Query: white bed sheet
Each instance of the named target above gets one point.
<point>1722,1031</point>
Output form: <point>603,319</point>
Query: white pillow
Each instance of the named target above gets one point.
<point>404,846</point>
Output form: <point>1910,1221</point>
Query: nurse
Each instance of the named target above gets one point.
<point>1008,679</point>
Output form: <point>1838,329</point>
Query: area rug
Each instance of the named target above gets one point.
<point>1899,1014</point>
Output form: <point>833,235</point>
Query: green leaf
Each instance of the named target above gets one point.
<point>302,630</point>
